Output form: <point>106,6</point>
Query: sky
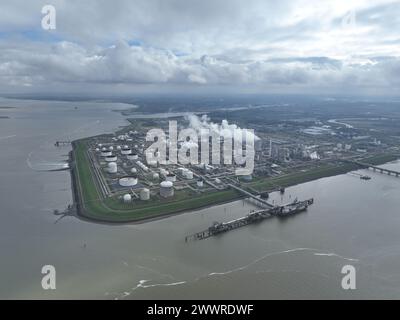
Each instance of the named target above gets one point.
<point>122,46</point>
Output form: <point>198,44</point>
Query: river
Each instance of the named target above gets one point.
<point>352,222</point>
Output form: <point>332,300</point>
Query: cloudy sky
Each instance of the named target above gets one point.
<point>286,46</point>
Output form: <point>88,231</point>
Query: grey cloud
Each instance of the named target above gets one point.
<point>224,42</point>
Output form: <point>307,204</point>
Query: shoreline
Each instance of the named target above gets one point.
<point>264,185</point>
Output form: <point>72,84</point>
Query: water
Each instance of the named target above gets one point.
<point>352,222</point>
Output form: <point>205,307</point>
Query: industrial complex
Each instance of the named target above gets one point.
<point>115,181</point>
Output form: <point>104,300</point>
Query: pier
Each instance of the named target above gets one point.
<point>253,217</point>
<point>250,195</point>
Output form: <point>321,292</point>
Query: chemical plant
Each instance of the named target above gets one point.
<point>130,185</point>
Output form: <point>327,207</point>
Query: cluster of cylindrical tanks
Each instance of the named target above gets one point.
<point>144,195</point>
<point>166,187</point>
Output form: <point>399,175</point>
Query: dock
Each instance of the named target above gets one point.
<point>250,195</point>
<point>253,217</point>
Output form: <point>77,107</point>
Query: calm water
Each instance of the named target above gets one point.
<point>352,222</point>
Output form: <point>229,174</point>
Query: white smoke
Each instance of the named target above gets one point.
<point>204,123</point>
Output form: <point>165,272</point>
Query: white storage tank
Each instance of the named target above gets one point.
<point>112,167</point>
<point>111,148</point>
<point>118,148</point>
<point>170,177</point>
<point>145,194</point>
<point>128,181</point>
<point>189,175</point>
<point>200,183</point>
<point>132,156</point>
<point>126,150</point>
<point>106,153</point>
<point>127,198</point>
<point>164,172</point>
<point>111,158</point>
<point>133,170</point>
<point>152,163</point>
<point>156,176</point>
<point>166,189</point>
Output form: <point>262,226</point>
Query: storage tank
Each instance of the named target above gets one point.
<point>112,167</point>
<point>126,150</point>
<point>111,158</point>
<point>200,183</point>
<point>166,189</point>
<point>100,145</point>
<point>111,148</point>
<point>132,156</point>
<point>152,163</point>
<point>145,194</point>
<point>128,181</point>
<point>106,153</point>
<point>156,176</point>
<point>133,170</point>
<point>189,175</point>
<point>97,149</point>
<point>170,177</point>
<point>164,172</point>
<point>127,198</point>
<point>119,148</point>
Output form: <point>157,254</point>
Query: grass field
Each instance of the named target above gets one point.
<point>112,210</point>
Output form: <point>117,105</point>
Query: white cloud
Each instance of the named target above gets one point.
<point>285,44</point>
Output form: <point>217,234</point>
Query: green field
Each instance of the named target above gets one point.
<point>91,205</point>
